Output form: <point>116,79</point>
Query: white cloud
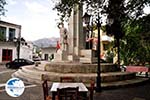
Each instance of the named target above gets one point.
<point>11,2</point>
<point>147,10</point>
<point>36,7</point>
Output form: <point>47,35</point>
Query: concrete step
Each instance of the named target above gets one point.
<point>84,77</point>
<point>88,60</point>
<point>124,83</point>
<point>28,74</point>
<point>72,67</point>
<point>33,73</point>
<point>109,80</point>
<point>26,79</point>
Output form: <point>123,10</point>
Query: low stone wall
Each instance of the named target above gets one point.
<point>79,67</point>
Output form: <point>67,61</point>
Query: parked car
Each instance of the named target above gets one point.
<point>18,63</point>
<point>36,58</point>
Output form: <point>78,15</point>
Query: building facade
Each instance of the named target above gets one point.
<point>10,32</point>
<point>47,52</point>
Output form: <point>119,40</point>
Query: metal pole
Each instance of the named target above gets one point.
<point>98,82</point>
<point>18,48</point>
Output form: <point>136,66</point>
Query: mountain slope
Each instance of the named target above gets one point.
<point>46,42</point>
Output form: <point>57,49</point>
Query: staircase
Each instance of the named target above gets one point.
<point>110,76</point>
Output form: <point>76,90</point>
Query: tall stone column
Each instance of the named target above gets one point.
<point>76,32</point>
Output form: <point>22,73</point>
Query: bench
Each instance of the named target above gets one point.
<point>138,69</point>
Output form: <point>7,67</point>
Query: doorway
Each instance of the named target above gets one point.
<point>7,55</point>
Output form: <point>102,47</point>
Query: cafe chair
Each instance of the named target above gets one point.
<point>91,89</point>
<point>66,79</point>
<point>69,93</point>
<point>45,91</point>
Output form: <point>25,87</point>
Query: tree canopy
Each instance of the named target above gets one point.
<point>2,9</point>
<point>128,19</point>
<point>132,9</point>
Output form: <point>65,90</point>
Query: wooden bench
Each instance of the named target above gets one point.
<point>138,69</point>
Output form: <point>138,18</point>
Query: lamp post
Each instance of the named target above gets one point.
<point>98,80</point>
<point>17,40</point>
<point>86,19</point>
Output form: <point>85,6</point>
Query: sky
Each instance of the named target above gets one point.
<point>36,17</point>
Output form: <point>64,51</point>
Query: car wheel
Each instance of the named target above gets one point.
<point>8,66</point>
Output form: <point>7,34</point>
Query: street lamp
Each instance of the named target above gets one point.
<point>86,19</point>
<point>17,40</point>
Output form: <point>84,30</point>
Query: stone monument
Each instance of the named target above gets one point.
<point>62,53</point>
<point>63,37</point>
<point>72,41</point>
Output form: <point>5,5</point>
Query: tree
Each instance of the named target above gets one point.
<point>2,9</point>
<point>121,11</point>
<point>135,45</point>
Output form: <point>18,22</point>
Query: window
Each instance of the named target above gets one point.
<point>11,34</point>
<point>2,33</point>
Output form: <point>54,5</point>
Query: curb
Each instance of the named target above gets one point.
<point>2,86</point>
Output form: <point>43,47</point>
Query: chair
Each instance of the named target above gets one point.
<point>66,79</point>
<point>69,93</point>
<point>92,84</point>
<point>45,91</point>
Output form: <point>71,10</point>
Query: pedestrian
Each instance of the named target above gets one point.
<point>57,46</point>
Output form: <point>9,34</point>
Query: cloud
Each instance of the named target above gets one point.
<point>11,2</point>
<point>36,7</point>
<point>147,10</point>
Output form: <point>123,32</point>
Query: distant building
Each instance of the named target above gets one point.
<point>47,52</point>
<point>8,46</point>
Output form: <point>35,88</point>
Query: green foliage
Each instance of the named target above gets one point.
<point>128,25</point>
<point>2,4</point>
<point>135,46</point>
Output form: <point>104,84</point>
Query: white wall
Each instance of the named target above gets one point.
<point>26,52</point>
<point>48,51</point>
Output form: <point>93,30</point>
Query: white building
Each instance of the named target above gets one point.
<point>47,52</point>
<point>8,47</point>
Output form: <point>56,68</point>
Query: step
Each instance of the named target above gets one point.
<point>33,73</point>
<point>123,83</point>
<point>73,67</point>
<point>111,79</point>
<point>88,60</point>
<point>28,74</point>
<point>26,78</point>
<point>86,78</point>
<point>54,76</point>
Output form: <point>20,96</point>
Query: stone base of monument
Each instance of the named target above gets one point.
<point>111,76</point>
<point>60,56</point>
<point>73,58</point>
<point>88,56</point>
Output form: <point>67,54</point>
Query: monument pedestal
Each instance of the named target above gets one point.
<point>87,56</point>
<point>60,56</point>
<point>73,58</point>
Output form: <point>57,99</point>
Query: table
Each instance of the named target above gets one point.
<point>82,88</point>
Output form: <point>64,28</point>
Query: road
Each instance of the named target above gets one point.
<point>32,92</point>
